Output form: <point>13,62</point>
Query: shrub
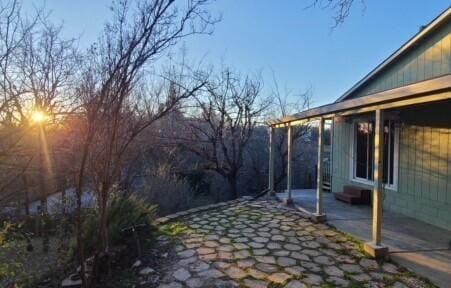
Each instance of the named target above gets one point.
<point>123,211</point>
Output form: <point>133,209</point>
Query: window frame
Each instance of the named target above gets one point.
<point>353,164</point>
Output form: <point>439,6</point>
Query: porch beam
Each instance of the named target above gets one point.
<point>441,96</point>
<point>272,145</point>
<point>375,248</point>
<point>319,215</point>
<point>419,89</point>
<point>289,164</point>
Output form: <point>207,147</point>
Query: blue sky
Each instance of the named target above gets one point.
<point>281,36</point>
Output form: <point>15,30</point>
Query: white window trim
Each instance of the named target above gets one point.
<point>353,167</point>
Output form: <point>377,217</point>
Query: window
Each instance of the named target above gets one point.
<point>363,160</point>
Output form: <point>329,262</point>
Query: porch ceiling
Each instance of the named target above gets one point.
<point>436,89</point>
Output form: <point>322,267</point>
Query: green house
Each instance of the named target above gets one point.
<point>392,132</point>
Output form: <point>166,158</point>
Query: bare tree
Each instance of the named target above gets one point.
<point>340,8</point>
<point>285,104</point>
<point>227,113</point>
<point>116,105</point>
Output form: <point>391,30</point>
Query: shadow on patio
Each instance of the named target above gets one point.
<point>418,246</point>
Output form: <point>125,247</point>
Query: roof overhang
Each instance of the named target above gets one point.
<point>432,90</point>
<point>433,25</point>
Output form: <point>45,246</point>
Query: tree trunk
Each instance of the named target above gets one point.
<point>232,179</point>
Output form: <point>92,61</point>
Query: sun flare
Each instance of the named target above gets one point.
<point>38,116</point>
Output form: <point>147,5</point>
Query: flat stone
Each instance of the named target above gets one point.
<point>209,257</point>
<point>225,248</point>
<point>281,253</point>
<point>295,270</point>
<point>181,274</point>
<point>292,247</point>
<point>242,254</point>
<point>360,277</point>
<point>299,256</point>
<point>310,266</point>
<point>195,282</point>
<point>261,239</point>
<point>279,278</point>
<point>198,266</point>
<point>266,259</point>
<point>211,244</point>
<point>256,245</point>
<point>313,279</point>
<point>186,253</point>
<point>351,268</point>
<point>221,265</point>
<point>146,271</point>
<point>337,281</point>
<point>240,246</point>
<point>390,268</point>
<point>260,252</point>
<point>225,256</point>
<point>203,251</point>
<point>235,273</point>
<point>369,264</point>
<point>399,285</point>
<point>295,284</point>
<point>278,238</point>
<point>186,261</point>
<point>245,263</point>
<point>273,246</point>
<point>171,285</point>
<point>257,274</point>
<point>323,260</point>
<point>311,244</point>
<point>268,268</point>
<point>211,273</point>
<point>252,283</point>
<point>286,261</point>
<point>333,271</point>
<point>310,252</point>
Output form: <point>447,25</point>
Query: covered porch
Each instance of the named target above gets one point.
<point>421,247</point>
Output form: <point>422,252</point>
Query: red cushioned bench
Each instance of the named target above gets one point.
<point>354,195</point>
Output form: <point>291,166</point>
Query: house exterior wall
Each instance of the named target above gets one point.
<point>424,168</point>
<point>430,59</point>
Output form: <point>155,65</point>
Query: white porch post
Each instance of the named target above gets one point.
<point>272,141</point>
<point>289,163</point>
<point>375,248</point>
<point>319,215</point>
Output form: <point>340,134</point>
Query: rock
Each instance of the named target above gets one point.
<point>266,259</point>
<point>313,279</point>
<point>295,284</point>
<point>171,285</point>
<point>257,274</point>
<point>251,283</point>
<point>268,268</point>
<point>198,266</point>
<point>399,285</point>
<point>260,252</point>
<point>300,256</point>
<point>211,274</point>
<point>235,273</point>
<point>323,260</point>
<point>292,247</point>
<point>186,253</point>
<point>389,268</point>
<point>295,270</point>
<point>146,271</point>
<point>73,281</point>
<point>369,264</point>
<point>279,278</point>
<point>137,264</point>
<point>286,261</point>
<point>245,263</point>
<point>333,271</point>
<point>181,274</point>
<point>337,281</point>
<point>351,268</point>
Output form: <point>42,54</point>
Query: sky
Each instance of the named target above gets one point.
<point>282,38</point>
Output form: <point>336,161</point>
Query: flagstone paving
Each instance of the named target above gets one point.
<point>263,244</point>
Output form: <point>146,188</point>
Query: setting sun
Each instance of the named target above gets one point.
<point>38,116</point>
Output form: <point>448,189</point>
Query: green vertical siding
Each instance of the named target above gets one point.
<point>424,174</point>
<point>429,59</point>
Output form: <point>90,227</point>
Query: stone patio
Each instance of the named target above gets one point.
<point>264,244</point>
<point>418,246</point>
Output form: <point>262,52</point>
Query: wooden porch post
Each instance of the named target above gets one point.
<point>289,163</point>
<point>375,248</point>
<point>319,215</point>
<point>272,141</point>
